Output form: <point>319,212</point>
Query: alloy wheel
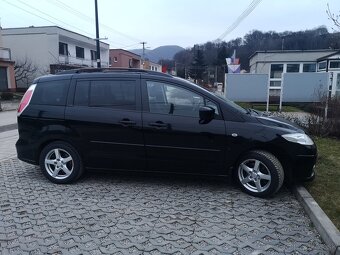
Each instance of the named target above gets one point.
<point>254,175</point>
<point>59,163</point>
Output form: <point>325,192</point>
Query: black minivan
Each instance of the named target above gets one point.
<point>137,120</point>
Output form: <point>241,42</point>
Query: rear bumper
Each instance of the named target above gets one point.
<point>26,152</point>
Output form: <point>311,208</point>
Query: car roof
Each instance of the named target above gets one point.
<point>84,73</point>
<point>112,70</point>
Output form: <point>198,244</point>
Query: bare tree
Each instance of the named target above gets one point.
<point>335,18</point>
<point>25,71</point>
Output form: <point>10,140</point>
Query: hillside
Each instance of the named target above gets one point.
<point>162,52</point>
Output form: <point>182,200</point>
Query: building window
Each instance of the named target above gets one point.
<point>63,50</point>
<point>322,65</point>
<point>274,92</point>
<point>115,59</point>
<point>276,70</point>
<point>309,68</point>
<point>275,83</point>
<point>334,64</point>
<point>79,52</point>
<point>93,55</point>
<point>293,68</point>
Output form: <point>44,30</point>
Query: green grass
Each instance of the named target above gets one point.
<point>325,189</point>
<point>272,108</point>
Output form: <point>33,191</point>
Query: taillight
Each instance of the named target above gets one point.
<point>26,99</point>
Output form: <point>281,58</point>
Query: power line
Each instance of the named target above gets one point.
<point>90,19</point>
<point>240,18</point>
<point>30,12</point>
<point>50,21</point>
<point>44,13</point>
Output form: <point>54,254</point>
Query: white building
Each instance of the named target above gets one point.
<point>52,47</point>
<point>277,63</point>
<point>148,65</point>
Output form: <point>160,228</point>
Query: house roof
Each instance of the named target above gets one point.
<point>294,51</point>
<point>290,56</point>
<point>42,29</point>
<point>329,56</point>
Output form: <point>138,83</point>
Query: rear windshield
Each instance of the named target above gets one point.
<point>51,93</point>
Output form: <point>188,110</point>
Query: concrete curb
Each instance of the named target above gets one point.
<point>328,232</point>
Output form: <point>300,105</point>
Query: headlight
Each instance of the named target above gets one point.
<point>298,138</point>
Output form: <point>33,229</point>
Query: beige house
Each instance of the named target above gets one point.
<point>124,59</point>
<point>148,65</point>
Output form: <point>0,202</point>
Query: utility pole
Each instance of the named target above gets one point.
<point>97,35</point>
<point>143,55</point>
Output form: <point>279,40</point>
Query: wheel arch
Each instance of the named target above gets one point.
<point>283,158</point>
<point>46,142</point>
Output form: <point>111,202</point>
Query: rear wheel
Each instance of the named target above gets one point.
<point>259,173</point>
<point>60,162</point>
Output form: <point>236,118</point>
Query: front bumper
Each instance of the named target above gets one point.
<point>304,168</point>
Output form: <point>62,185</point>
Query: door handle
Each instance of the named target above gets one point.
<point>127,122</point>
<point>158,124</point>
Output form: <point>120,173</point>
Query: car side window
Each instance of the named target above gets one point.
<point>107,93</point>
<point>81,96</point>
<point>170,99</point>
<point>51,93</point>
<point>212,105</point>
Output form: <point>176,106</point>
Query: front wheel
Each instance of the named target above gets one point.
<point>259,173</point>
<point>60,162</point>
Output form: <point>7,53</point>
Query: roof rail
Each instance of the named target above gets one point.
<point>109,70</point>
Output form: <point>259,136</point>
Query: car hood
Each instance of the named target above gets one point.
<point>278,122</point>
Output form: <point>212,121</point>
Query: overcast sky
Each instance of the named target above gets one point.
<point>126,23</point>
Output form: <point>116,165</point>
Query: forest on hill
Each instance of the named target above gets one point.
<point>210,58</point>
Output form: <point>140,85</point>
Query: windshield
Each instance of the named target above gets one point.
<point>232,104</point>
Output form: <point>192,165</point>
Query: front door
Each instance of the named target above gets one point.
<point>175,140</point>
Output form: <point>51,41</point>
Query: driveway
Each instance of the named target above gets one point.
<point>111,213</point>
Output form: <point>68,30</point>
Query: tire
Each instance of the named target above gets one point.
<point>259,173</point>
<point>60,163</point>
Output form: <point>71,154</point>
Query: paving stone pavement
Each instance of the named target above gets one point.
<point>7,144</point>
<point>111,213</point>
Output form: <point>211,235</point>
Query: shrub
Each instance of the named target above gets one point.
<point>322,119</point>
<point>6,95</point>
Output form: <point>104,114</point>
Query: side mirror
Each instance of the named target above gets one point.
<point>206,114</point>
